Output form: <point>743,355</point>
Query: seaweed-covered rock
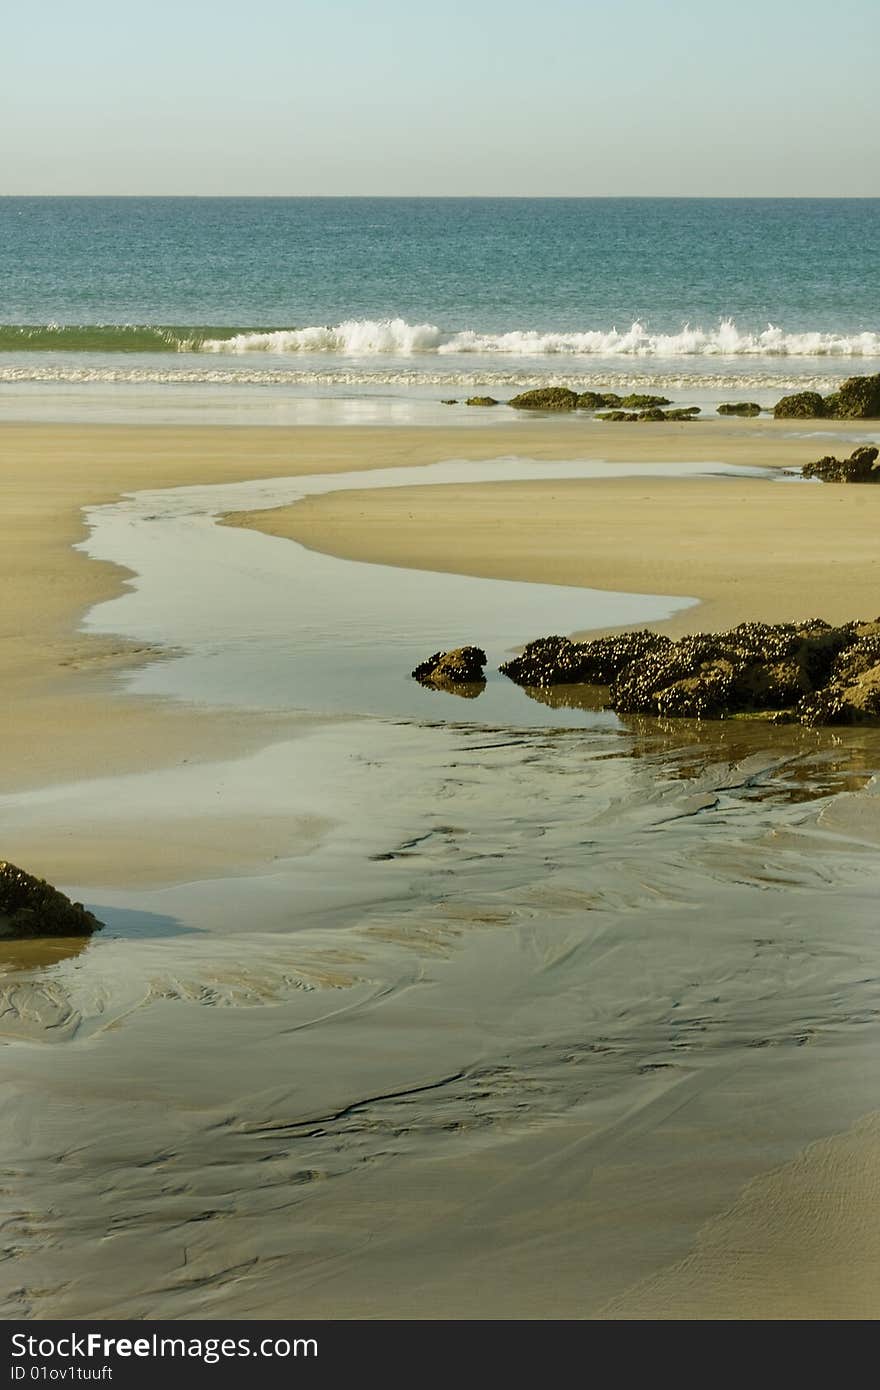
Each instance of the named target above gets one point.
<point>858,398</point>
<point>744,408</point>
<point>686,412</point>
<point>31,907</point>
<point>481,400</point>
<point>559,661</point>
<point>546,398</point>
<point>860,467</point>
<point>450,400</point>
<point>593,400</point>
<point>637,402</point>
<point>803,405</point>
<point>460,666</point>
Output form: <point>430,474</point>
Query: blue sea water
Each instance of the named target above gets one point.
<point>336,293</point>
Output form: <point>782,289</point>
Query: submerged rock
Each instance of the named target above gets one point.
<point>857,398</point>
<point>860,467</point>
<point>744,408</point>
<point>481,400</point>
<point>31,907</point>
<point>546,398</point>
<point>460,666</point>
<point>807,672</point>
<point>451,400</point>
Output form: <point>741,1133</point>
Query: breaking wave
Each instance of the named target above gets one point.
<point>395,337</point>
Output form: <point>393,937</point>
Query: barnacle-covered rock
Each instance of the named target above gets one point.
<point>460,666</point>
<point>31,907</point>
<point>860,467</point>
<point>808,671</point>
<point>559,661</point>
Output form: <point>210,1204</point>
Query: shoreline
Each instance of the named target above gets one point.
<point>57,677</point>
<point>527,952</point>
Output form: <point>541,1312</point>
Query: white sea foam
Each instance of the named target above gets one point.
<point>396,338</point>
<point>746,378</point>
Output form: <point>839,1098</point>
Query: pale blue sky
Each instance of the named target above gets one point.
<point>391,97</point>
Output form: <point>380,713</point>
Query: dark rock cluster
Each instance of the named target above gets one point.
<point>807,672</point>
<point>559,661</point>
<point>743,408</point>
<point>860,467</point>
<point>31,907</point>
<point>462,666</point>
<point>481,400</point>
<point>857,399</point>
<point>562,398</point>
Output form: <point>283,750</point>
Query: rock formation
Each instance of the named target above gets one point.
<point>743,408</point>
<point>546,398</point>
<point>860,467</point>
<point>459,667</point>
<point>31,907</point>
<point>808,672</point>
<point>858,398</point>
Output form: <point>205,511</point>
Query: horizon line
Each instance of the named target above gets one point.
<point>485,197</point>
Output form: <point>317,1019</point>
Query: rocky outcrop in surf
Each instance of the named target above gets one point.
<point>481,400</point>
<point>860,467</point>
<point>460,670</point>
<point>746,409</point>
<point>857,398</point>
<point>31,907</point>
<point>808,672</point>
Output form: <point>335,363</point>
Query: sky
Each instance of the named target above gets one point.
<point>394,97</point>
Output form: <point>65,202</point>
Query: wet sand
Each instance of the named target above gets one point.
<point>749,552</point>
<point>424,1021</point>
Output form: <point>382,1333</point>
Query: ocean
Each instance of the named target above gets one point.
<point>353,298</point>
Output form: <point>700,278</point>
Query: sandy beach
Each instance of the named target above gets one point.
<point>556,1070</point>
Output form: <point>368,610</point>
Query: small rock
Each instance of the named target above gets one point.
<point>460,666</point>
<point>481,400</point>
